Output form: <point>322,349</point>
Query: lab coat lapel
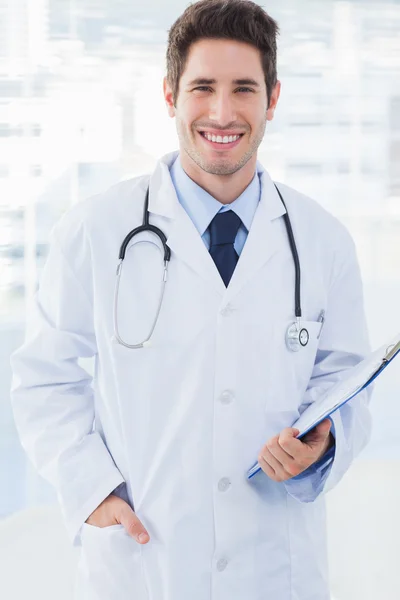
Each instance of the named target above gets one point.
<point>182,236</point>
<point>185,241</point>
<point>264,238</point>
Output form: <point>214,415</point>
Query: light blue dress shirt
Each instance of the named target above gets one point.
<point>202,208</point>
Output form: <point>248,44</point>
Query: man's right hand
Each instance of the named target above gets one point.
<point>113,511</point>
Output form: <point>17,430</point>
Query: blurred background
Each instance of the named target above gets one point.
<point>81,108</point>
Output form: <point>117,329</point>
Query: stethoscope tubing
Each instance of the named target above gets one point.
<point>146,226</point>
<point>294,332</point>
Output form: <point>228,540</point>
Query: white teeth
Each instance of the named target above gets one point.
<point>221,140</point>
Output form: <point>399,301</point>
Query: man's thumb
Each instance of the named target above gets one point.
<point>133,525</point>
<point>324,427</point>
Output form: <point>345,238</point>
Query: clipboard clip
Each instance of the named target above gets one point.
<point>391,351</point>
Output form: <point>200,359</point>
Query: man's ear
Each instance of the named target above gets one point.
<point>169,100</point>
<point>274,101</point>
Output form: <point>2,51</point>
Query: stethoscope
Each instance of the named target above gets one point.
<point>297,337</point>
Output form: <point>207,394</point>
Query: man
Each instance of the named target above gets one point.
<point>157,493</point>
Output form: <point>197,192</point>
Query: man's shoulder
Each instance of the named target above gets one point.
<point>115,203</point>
<point>117,198</point>
<point>320,220</point>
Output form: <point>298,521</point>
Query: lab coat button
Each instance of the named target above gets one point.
<point>226,397</point>
<point>221,564</point>
<point>224,484</point>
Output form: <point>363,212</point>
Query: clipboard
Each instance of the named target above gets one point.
<point>353,381</point>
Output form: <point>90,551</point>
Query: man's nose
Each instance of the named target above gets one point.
<point>222,109</point>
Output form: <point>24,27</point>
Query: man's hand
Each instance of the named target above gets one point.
<point>284,456</point>
<point>112,511</point>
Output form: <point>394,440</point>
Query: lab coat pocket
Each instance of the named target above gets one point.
<point>303,361</point>
<point>112,563</point>
<point>291,371</point>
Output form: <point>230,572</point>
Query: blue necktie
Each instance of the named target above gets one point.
<point>223,230</point>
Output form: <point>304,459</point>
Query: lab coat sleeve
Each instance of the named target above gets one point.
<point>343,343</point>
<point>51,394</point>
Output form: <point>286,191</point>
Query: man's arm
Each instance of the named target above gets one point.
<point>52,396</point>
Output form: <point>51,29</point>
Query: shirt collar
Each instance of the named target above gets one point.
<point>202,207</point>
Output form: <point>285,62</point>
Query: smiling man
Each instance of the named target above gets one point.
<point>221,119</point>
<point>261,312</point>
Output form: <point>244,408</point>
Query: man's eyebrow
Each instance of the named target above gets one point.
<point>204,81</point>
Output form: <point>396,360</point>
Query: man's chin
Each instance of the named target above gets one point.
<point>221,167</point>
<point>218,165</point>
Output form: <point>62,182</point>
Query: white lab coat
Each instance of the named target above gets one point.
<point>180,422</point>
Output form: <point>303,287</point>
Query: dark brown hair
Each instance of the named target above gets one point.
<point>240,20</point>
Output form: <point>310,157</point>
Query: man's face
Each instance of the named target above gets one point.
<point>222,92</point>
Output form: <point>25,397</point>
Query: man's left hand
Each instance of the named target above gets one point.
<point>284,456</point>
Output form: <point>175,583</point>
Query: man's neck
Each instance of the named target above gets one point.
<point>224,188</point>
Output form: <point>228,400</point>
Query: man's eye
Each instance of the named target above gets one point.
<point>203,88</point>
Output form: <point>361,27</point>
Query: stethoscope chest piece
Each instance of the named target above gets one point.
<point>296,337</point>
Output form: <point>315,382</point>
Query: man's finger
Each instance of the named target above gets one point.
<point>279,453</point>
<point>289,443</point>
<point>319,433</point>
<point>324,427</point>
<point>268,470</point>
<point>133,525</point>
<point>280,473</point>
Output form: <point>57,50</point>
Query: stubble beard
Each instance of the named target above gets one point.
<point>222,166</point>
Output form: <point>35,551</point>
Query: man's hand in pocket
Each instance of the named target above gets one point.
<point>113,511</point>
